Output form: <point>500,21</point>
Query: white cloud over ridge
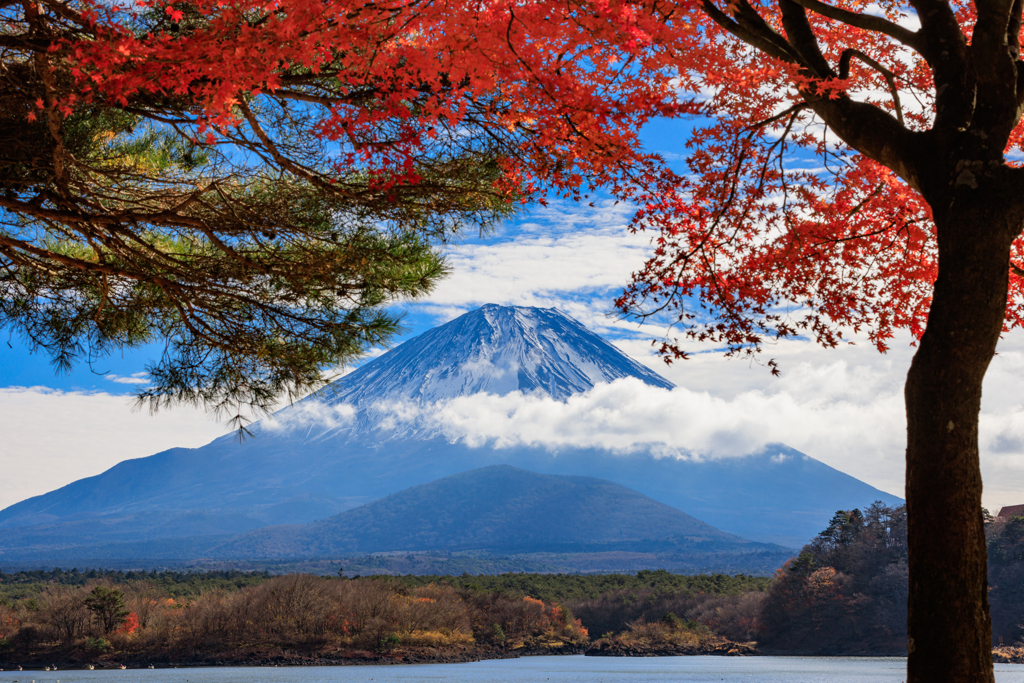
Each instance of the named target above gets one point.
<point>628,415</point>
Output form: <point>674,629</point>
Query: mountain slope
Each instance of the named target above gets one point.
<point>500,509</point>
<point>301,474</point>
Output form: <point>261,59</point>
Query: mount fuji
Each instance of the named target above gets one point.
<point>355,443</point>
<point>495,350</point>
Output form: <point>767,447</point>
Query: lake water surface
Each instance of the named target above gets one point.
<point>565,669</point>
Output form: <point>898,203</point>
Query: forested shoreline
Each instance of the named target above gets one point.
<point>303,619</point>
<point>843,594</point>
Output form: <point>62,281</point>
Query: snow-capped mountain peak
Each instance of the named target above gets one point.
<point>494,349</point>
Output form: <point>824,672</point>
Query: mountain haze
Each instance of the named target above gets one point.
<point>501,509</point>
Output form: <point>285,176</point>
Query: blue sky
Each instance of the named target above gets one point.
<point>843,406</point>
<point>114,374</point>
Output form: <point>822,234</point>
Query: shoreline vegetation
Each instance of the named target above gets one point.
<point>843,595</point>
<point>71,620</point>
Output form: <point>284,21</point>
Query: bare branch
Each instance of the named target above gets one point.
<point>778,117</point>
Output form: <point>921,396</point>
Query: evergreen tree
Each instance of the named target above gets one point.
<point>259,261</point>
<point>108,608</point>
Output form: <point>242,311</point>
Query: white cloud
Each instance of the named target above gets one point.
<point>302,416</point>
<point>565,256</point>
<point>52,438</point>
<point>860,392</point>
<point>628,414</point>
<point>134,378</point>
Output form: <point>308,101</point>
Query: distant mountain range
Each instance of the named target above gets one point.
<point>344,448</point>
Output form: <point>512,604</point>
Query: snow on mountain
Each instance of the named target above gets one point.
<point>494,349</point>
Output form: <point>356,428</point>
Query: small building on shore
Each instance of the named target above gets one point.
<point>1010,511</point>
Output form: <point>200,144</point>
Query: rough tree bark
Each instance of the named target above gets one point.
<point>948,618</point>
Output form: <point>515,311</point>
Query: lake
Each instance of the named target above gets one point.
<point>565,669</point>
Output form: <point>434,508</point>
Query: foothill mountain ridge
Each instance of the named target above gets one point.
<point>359,443</point>
<point>498,508</point>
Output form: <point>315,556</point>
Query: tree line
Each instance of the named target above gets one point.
<point>93,614</point>
<point>844,593</point>
<point>16,585</point>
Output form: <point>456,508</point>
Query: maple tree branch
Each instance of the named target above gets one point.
<point>1013,29</point>
<point>779,49</point>
<point>778,117</point>
<point>876,134</point>
<point>780,142</point>
<point>747,17</point>
<point>1016,270</point>
<point>945,49</point>
<point>801,37</point>
<point>855,210</point>
<point>890,77</point>
<point>864,21</point>
<point>993,62</point>
<point>863,126</point>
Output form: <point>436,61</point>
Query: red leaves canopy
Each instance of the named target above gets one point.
<point>565,87</point>
<point>779,227</point>
<point>776,228</point>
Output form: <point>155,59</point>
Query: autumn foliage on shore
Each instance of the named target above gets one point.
<point>846,592</point>
<point>297,612</point>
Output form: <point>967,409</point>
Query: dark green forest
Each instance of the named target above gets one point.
<point>1006,579</point>
<point>18,585</point>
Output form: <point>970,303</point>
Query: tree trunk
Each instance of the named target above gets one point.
<point>948,614</point>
